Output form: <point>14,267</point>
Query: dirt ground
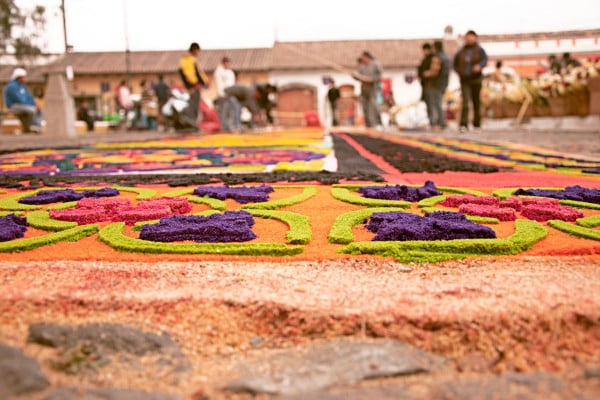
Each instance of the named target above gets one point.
<point>485,315</point>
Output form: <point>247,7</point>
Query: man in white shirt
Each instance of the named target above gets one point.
<point>228,106</point>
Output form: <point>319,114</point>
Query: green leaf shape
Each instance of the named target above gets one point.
<point>299,232</point>
<point>11,203</point>
<point>344,195</point>
<point>62,206</point>
<point>307,193</point>
<point>527,233</point>
<point>142,193</point>
<point>42,220</point>
<point>580,204</point>
<point>71,235</point>
<point>574,230</point>
<point>453,190</point>
<point>5,213</point>
<point>138,225</point>
<point>431,201</point>
<point>341,230</point>
<point>113,235</point>
<point>589,222</point>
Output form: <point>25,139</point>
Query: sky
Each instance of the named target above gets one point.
<point>105,25</point>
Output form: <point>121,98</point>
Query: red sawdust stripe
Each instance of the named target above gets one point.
<point>500,179</point>
<point>374,158</point>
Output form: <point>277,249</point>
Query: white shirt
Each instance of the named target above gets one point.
<point>224,78</point>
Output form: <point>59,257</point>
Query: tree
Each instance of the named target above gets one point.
<point>21,30</point>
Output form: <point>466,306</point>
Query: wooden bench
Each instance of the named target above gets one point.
<point>10,124</point>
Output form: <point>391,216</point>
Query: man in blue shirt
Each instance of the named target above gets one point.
<point>469,63</point>
<point>20,102</point>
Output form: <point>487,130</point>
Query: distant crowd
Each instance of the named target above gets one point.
<point>179,106</point>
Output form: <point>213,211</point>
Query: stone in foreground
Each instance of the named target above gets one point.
<point>324,365</point>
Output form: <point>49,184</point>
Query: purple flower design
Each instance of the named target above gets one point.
<point>577,193</point>
<point>242,194</point>
<point>65,195</point>
<point>231,226</point>
<point>439,225</point>
<point>12,227</point>
<point>400,192</point>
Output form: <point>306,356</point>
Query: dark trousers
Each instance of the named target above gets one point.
<point>471,94</point>
<point>334,120</point>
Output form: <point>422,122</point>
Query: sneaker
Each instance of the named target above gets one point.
<point>477,129</point>
<point>463,129</point>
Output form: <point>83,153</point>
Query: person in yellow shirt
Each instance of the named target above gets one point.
<point>193,79</point>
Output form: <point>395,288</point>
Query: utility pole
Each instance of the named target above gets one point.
<point>127,52</point>
<point>64,21</point>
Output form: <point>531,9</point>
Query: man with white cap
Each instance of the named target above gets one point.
<point>20,102</point>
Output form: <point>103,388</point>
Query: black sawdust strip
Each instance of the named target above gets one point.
<point>27,182</point>
<point>349,160</point>
<point>411,159</point>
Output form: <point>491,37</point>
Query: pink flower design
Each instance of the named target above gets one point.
<point>89,210</point>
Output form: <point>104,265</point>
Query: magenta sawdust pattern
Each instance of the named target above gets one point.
<point>97,161</point>
<point>537,209</point>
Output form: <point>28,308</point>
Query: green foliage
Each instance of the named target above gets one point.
<point>21,29</point>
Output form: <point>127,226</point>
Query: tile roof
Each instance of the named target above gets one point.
<point>402,53</point>
<point>112,62</point>
<point>35,75</point>
<point>588,33</point>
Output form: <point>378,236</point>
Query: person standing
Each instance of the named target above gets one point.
<point>193,80</point>
<point>469,62</point>
<point>124,103</point>
<point>228,106</point>
<point>333,95</point>
<point>426,72</point>
<point>163,92</point>
<point>440,82</point>
<point>83,114</point>
<point>569,63</point>
<point>20,102</point>
<point>369,74</point>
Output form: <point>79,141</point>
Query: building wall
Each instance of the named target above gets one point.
<point>404,93</point>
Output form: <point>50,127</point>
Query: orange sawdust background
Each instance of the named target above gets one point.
<point>322,211</point>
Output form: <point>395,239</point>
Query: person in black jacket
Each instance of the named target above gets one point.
<point>469,63</point>
<point>427,82</point>
<point>333,95</point>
